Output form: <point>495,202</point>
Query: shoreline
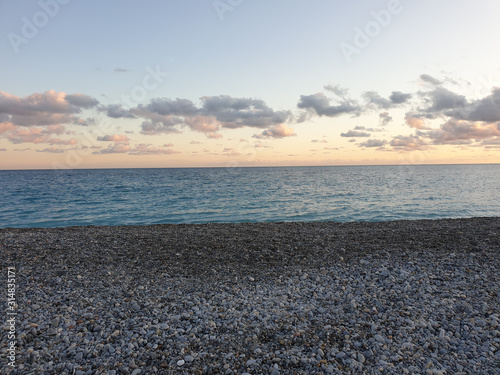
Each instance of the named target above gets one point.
<point>289,297</point>
<point>254,222</point>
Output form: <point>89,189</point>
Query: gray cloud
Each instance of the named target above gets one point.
<point>52,150</point>
<point>429,79</point>
<point>161,126</point>
<point>38,135</point>
<point>321,105</point>
<point>408,143</point>
<point>168,107</point>
<point>117,111</point>
<point>374,98</point>
<point>116,148</point>
<point>164,115</point>
<point>384,118</point>
<point>492,141</point>
<point>398,97</point>
<point>337,90</point>
<point>364,128</point>
<point>239,112</point>
<point>113,138</point>
<point>441,99</point>
<point>355,133</point>
<point>486,109</point>
<point>44,109</point>
<point>458,131</point>
<point>373,143</point>
<point>144,149</point>
<point>82,101</point>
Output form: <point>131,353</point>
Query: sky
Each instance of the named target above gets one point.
<point>221,83</point>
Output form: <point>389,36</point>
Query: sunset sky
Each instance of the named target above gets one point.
<point>104,84</point>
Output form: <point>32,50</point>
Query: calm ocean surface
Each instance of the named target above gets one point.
<point>49,198</point>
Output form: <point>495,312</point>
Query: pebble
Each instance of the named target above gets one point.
<point>379,338</point>
<point>398,303</point>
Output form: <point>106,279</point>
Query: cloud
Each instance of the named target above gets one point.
<point>277,131</point>
<point>3,149</point>
<point>167,107</point>
<point>116,111</point>
<point>203,124</point>
<point>165,115</point>
<point>116,148</point>
<point>160,125</point>
<point>372,97</point>
<point>320,104</point>
<point>441,99</point>
<point>337,90</point>
<point>429,79</point>
<point>486,109</point>
<point>319,141</point>
<point>121,70</point>
<point>408,143</point>
<point>492,141</point>
<point>415,122</point>
<point>81,101</point>
<point>52,150</point>
<point>367,129</point>
<point>140,149</point>
<point>195,143</point>
<point>214,135</point>
<point>39,107</point>
<point>84,122</point>
<point>233,112</point>
<point>355,133</point>
<point>113,138</point>
<point>373,143</point>
<point>36,117</point>
<point>398,97</point>
<point>6,126</point>
<point>458,132</point>
<point>145,149</point>
<point>38,135</point>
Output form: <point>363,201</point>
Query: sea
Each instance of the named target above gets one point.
<point>60,198</point>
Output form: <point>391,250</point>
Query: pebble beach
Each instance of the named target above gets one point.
<point>399,297</point>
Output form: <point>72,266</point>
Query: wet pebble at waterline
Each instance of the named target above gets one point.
<point>394,298</point>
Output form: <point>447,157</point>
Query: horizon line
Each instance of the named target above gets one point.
<point>254,166</point>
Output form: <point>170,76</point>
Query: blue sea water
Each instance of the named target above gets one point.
<point>56,198</point>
